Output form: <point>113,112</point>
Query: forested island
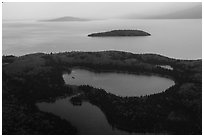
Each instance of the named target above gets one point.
<point>34,78</point>
<point>116,33</point>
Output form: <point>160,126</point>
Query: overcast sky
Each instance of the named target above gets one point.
<point>39,10</point>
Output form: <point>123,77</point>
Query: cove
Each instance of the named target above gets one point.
<point>120,84</point>
<point>87,118</point>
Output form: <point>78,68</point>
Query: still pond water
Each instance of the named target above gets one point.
<point>119,83</point>
<point>88,118</point>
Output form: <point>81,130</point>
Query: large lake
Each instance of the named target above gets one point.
<point>179,38</point>
<point>89,119</point>
<point>119,83</point>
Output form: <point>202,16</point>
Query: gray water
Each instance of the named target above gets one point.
<point>179,38</point>
<point>87,118</point>
<point>119,83</point>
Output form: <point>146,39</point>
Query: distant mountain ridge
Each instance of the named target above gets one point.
<point>190,13</point>
<point>66,18</point>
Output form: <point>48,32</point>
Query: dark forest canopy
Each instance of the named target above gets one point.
<point>29,79</point>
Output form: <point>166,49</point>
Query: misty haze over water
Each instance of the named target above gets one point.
<point>179,38</point>
<point>142,76</point>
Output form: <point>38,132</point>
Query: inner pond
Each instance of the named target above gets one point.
<point>120,84</point>
<point>90,119</point>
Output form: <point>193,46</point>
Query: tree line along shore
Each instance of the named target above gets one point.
<point>37,77</point>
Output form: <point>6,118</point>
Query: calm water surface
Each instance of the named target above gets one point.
<point>88,118</point>
<point>119,83</point>
<point>180,38</point>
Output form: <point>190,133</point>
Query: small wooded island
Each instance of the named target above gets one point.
<point>119,33</point>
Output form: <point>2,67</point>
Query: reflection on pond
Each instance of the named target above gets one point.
<point>119,83</point>
<point>87,118</point>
